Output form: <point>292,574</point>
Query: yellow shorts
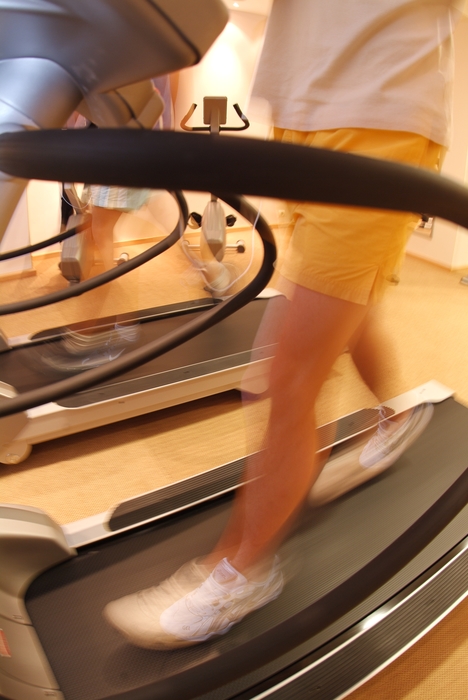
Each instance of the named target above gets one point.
<point>349,252</point>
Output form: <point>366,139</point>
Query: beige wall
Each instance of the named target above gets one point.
<point>16,236</point>
<point>448,245</point>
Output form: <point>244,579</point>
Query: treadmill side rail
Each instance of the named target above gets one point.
<point>25,673</point>
<point>30,543</point>
<point>4,343</point>
<point>431,391</point>
<point>10,427</point>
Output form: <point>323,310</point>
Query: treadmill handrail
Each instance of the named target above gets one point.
<point>9,255</point>
<point>184,161</point>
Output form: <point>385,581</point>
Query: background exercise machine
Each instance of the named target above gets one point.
<point>213,221</point>
<point>219,278</point>
<point>59,80</point>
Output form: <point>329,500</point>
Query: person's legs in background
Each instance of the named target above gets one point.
<point>103,221</point>
<point>93,343</point>
<point>314,333</point>
<point>108,203</point>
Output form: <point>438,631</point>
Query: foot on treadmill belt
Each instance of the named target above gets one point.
<point>192,605</point>
<point>361,461</point>
<point>79,351</point>
<point>115,337</point>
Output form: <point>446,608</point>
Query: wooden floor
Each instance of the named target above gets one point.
<point>81,475</point>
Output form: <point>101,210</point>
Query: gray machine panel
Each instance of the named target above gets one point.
<point>105,44</point>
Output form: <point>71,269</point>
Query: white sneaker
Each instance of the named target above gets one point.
<point>137,616</point>
<point>225,598</point>
<point>393,438</point>
<point>78,351</point>
<point>166,617</point>
<point>360,461</point>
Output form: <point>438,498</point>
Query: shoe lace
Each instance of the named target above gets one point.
<point>212,596</point>
<point>380,440</point>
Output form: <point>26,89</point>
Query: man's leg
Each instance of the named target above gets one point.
<point>314,332</point>
<point>374,356</point>
<point>239,577</point>
<point>376,450</point>
<point>89,344</point>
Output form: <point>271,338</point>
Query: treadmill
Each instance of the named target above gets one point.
<point>360,590</point>
<point>213,362</point>
<point>370,573</point>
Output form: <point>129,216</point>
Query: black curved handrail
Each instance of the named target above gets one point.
<point>9,255</point>
<point>182,161</point>
<point>80,288</point>
<point>157,347</point>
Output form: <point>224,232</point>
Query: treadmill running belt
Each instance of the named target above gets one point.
<point>226,345</point>
<point>91,661</point>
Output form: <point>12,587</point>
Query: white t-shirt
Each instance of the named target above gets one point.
<point>381,64</point>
